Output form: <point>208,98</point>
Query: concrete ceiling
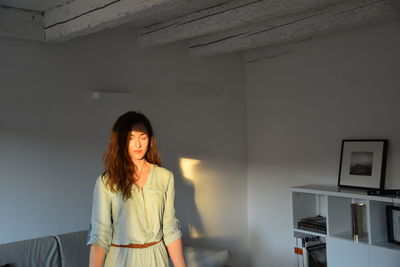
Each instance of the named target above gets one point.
<point>209,26</point>
<point>36,5</point>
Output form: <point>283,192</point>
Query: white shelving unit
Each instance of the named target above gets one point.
<point>372,249</point>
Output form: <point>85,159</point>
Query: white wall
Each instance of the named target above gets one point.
<point>53,136</point>
<point>299,108</point>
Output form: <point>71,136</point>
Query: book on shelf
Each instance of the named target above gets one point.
<point>313,228</point>
<point>298,252</point>
<point>316,220</point>
<point>314,224</point>
<point>317,255</point>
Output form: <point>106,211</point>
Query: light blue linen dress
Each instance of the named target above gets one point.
<point>148,216</point>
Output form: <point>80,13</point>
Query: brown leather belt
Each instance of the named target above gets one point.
<point>145,245</point>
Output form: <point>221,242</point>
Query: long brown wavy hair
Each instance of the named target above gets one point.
<point>119,168</point>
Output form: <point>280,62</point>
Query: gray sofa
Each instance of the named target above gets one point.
<point>70,250</point>
<point>67,250</point>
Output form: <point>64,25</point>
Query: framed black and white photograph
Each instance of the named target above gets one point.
<point>393,224</point>
<point>363,164</point>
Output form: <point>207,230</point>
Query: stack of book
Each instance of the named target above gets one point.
<point>315,224</point>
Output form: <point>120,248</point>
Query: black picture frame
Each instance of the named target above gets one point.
<point>363,163</point>
<point>393,224</point>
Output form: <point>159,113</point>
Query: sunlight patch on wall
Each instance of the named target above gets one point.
<point>194,232</point>
<point>188,169</point>
<point>188,166</point>
<point>208,180</point>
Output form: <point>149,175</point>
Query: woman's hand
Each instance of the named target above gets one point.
<point>96,256</point>
<point>175,251</point>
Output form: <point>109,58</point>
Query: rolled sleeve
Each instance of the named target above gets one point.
<point>101,224</point>
<point>171,228</point>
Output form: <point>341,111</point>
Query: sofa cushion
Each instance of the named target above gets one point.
<point>73,249</point>
<point>38,252</point>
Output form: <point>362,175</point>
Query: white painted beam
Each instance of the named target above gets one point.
<point>21,23</point>
<point>297,26</point>
<point>222,17</point>
<point>81,17</point>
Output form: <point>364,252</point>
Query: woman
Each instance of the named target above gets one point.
<point>133,214</point>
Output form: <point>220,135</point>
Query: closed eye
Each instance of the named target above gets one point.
<point>142,136</point>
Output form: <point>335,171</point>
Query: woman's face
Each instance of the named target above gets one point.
<point>138,142</point>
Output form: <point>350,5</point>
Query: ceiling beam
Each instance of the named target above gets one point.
<point>81,17</point>
<point>228,15</point>
<point>271,51</point>
<point>297,26</point>
<point>21,23</point>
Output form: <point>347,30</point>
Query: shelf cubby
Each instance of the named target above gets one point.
<point>307,205</point>
<point>339,210</point>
